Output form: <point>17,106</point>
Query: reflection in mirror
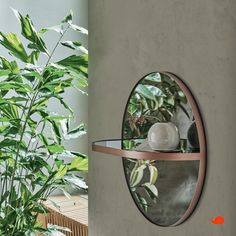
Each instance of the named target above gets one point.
<point>162,190</point>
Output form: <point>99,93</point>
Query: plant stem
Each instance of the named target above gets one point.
<point>18,148</point>
<point>57,44</point>
<point>29,111</point>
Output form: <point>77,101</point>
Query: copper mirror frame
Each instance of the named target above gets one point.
<point>106,146</point>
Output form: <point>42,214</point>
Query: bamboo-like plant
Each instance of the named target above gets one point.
<point>33,159</point>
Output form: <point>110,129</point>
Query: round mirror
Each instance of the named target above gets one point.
<point>162,116</point>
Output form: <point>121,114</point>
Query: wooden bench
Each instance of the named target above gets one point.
<point>72,213</point>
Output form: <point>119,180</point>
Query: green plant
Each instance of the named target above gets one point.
<point>33,159</point>
<point>155,99</point>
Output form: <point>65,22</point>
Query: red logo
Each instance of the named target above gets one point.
<point>219,220</point>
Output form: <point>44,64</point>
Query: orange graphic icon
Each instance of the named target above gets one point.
<point>219,220</point>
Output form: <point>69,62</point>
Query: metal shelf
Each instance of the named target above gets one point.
<point>114,147</point>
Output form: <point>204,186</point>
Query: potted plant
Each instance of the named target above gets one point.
<point>32,155</point>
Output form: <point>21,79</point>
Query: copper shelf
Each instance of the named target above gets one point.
<point>114,147</point>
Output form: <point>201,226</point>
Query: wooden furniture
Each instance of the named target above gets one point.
<point>72,213</point>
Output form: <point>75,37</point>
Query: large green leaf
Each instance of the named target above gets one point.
<point>10,130</point>
<point>62,171</point>
<point>82,82</point>
<point>32,74</point>
<point>143,90</point>
<point>4,72</point>
<point>76,63</point>
<point>55,148</point>
<point>25,193</point>
<point>153,174</point>
<point>9,66</point>
<point>12,42</point>
<point>43,139</point>
<point>10,111</point>
<point>170,100</point>
<point>71,45</point>
<point>8,143</point>
<point>79,163</point>
<point>68,18</point>
<point>18,87</point>
<point>151,190</point>
<point>56,130</point>
<point>56,28</point>
<point>76,132</point>
<point>29,32</point>
<point>64,104</point>
<point>54,72</point>
<point>76,181</point>
<point>79,29</point>
<point>75,46</point>
<point>137,175</point>
<point>154,77</point>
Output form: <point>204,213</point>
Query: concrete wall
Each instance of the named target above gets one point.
<point>48,13</point>
<point>195,39</point>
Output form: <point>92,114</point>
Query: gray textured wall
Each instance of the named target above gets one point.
<point>195,39</point>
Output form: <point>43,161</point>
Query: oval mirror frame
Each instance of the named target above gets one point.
<point>201,156</point>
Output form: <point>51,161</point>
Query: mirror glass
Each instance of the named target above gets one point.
<point>162,190</point>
